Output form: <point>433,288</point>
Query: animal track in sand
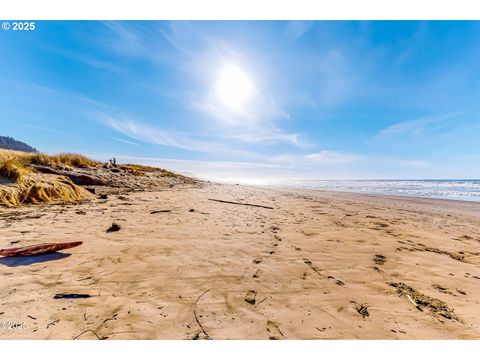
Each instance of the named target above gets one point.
<point>319,273</point>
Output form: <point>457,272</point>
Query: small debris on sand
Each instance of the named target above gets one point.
<point>379,259</point>
<point>114,227</point>
<point>362,309</point>
<point>436,306</point>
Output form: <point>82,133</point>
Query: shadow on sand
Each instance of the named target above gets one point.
<point>14,261</point>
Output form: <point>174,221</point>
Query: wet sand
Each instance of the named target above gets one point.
<point>319,265</point>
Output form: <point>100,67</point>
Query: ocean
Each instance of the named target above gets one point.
<point>466,190</point>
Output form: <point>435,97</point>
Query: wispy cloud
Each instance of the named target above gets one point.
<point>194,142</point>
<point>129,38</point>
<point>296,29</point>
<point>124,141</point>
<point>420,126</point>
<point>101,64</point>
<point>325,157</point>
<point>149,134</point>
<point>331,157</point>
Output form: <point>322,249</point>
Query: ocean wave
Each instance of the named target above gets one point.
<point>466,190</point>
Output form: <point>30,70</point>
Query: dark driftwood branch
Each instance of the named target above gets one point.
<point>160,211</point>
<point>239,203</point>
<point>196,317</point>
<point>72,296</point>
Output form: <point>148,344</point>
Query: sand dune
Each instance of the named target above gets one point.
<point>319,265</point>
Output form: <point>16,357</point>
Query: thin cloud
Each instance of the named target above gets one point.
<point>146,133</point>
<point>89,60</point>
<point>296,29</point>
<point>421,126</point>
<point>124,141</point>
<point>325,157</point>
<point>331,157</point>
<point>149,134</point>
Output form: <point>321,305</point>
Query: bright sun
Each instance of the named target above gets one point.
<point>233,87</point>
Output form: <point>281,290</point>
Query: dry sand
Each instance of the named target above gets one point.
<point>320,265</point>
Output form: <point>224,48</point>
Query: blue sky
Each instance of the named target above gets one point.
<point>251,101</point>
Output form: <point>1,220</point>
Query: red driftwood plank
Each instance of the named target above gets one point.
<point>39,249</point>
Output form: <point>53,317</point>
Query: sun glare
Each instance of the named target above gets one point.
<point>233,87</point>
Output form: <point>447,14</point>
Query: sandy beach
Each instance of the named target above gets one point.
<point>318,265</point>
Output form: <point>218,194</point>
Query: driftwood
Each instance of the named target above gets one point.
<point>39,249</point>
<point>71,296</point>
<point>160,211</point>
<point>239,203</point>
<point>413,302</point>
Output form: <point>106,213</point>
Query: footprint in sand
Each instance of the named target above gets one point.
<point>274,332</point>
<point>250,297</point>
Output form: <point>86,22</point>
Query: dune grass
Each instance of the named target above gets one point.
<point>31,188</point>
<point>13,170</point>
<point>62,159</point>
<point>140,170</point>
<point>59,190</point>
<point>21,182</point>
